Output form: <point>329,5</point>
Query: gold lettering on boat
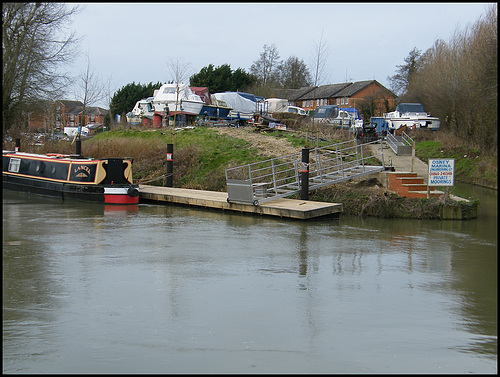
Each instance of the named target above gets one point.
<point>82,171</point>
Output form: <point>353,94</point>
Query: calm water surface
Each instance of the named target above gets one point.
<point>168,289</point>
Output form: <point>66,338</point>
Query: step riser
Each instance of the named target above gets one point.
<point>409,181</point>
<point>420,195</point>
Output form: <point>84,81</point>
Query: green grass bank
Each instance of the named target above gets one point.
<point>201,156</point>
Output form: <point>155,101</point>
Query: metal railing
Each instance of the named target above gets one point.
<point>394,142</point>
<point>280,177</point>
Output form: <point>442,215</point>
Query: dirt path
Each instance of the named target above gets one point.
<point>267,146</point>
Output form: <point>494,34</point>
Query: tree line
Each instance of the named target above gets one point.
<point>266,74</point>
<point>458,82</point>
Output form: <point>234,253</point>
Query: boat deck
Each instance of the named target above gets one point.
<point>285,208</point>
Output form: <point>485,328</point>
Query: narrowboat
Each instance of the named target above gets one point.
<point>107,180</point>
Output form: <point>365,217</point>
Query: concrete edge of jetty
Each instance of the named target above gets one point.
<point>284,208</point>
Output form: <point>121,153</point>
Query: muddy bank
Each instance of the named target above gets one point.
<point>369,198</point>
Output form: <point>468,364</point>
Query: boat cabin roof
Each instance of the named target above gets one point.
<point>410,108</point>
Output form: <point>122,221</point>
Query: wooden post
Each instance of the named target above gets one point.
<point>304,175</point>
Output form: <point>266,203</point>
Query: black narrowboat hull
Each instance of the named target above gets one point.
<point>105,180</point>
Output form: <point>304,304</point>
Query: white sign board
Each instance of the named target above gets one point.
<point>441,172</point>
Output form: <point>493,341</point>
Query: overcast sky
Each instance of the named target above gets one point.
<point>133,42</point>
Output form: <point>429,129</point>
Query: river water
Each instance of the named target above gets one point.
<point>171,289</point>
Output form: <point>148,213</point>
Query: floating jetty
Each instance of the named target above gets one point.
<point>285,208</point>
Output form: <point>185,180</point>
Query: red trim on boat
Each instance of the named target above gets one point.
<point>120,199</point>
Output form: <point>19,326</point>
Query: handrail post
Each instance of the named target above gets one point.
<point>274,177</point>
<point>304,174</point>
<point>342,164</point>
<point>362,158</point>
<point>412,155</point>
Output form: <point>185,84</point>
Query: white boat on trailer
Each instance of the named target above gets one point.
<point>178,98</point>
<point>411,115</point>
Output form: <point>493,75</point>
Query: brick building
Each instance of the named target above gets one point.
<point>64,113</point>
<point>351,94</point>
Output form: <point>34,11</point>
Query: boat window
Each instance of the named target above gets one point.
<point>169,90</point>
<point>14,164</point>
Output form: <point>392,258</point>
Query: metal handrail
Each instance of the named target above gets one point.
<point>328,165</point>
<point>407,139</point>
<point>392,142</point>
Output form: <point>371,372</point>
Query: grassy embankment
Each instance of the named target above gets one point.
<point>201,156</point>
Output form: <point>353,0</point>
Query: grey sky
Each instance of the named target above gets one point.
<point>132,42</point>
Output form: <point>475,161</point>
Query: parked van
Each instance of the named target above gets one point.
<point>326,114</point>
<point>296,110</point>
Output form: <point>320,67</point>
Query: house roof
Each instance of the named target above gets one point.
<point>355,87</point>
<point>95,111</point>
<point>72,107</point>
<point>292,94</point>
<point>76,108</point>
<point>347,89</point>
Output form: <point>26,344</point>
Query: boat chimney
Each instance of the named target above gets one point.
<point>78,147</point>
<point>18,145</point>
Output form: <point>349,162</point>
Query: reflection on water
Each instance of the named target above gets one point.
<point>169,289</point>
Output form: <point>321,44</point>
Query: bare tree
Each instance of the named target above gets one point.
<point>178,69</point>
<point>458,82</point>
<point>180,72</point>
<point>90,90</point>
<point>294,73</point>
<point>318,66</point>
<point>405,72</point>
<point>33,50</point>
<point>265,69</point>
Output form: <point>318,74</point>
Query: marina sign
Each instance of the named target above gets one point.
<point>441,172</point>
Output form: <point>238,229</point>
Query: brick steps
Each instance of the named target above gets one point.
<point>410,185</point>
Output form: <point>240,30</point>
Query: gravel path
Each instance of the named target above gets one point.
<point>267,145</point>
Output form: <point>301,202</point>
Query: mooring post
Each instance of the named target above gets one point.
<point>169,179</point>
<point>18,145</point>
<point>304,175</point>
<point>78,147</point>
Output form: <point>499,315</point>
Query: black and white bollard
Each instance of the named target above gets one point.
<point>169,179</point>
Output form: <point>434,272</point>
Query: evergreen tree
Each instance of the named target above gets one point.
<point>125,98</point>
<point>221,79</point>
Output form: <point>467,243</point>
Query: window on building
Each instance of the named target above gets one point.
<point>338,101</point>
<point>346,100</point>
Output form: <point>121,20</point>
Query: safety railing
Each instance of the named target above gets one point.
<point>400,144</point>
<point>280,177</point>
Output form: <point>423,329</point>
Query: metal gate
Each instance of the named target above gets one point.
<point>280,177</point>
